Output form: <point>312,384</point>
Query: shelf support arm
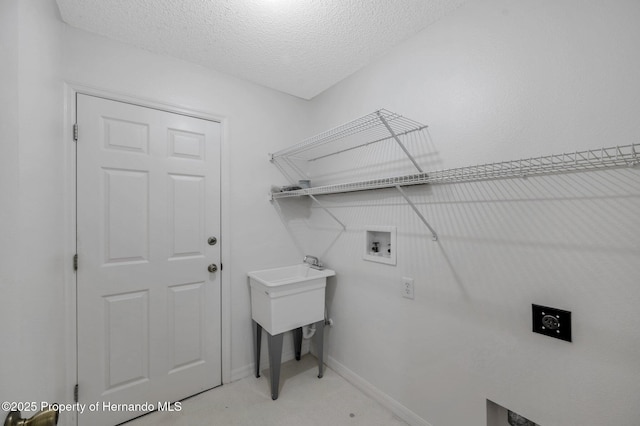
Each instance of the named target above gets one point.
<point>415,209</point>
<point>328,212</point>
<point>386,124</point>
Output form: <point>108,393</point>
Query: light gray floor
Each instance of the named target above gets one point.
<point>304,400</point>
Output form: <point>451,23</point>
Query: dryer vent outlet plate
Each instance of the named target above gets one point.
<point>551,322</point>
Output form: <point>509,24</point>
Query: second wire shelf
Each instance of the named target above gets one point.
<point>383,125</point>
<point>616,156</point>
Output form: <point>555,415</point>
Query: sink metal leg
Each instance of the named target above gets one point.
<point>257,341</point>
<point>275,358</point>
<point>275,352</point>
<point>318,339</point>
<point>297,342</point>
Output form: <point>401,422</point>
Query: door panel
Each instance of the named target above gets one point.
<point>127,339</point>
<point>148,310</point>
<point>186,325</point>
<point>186,211</point>
<point>126,215</point>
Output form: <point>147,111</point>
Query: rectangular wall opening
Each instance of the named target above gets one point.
<point>497,415</point>
<point>380,244</point>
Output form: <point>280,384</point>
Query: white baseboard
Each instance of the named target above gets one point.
<point>248,370</point>
<point>383,399</point>
<point>241,373</point>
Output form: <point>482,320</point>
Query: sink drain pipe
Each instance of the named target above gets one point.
<point>308,331</point>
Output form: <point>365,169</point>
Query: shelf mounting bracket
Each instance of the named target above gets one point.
<point>328,212</point>
<point>415,209</point>
<point>386,124</point>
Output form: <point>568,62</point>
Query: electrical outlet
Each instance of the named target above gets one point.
<point>407,287</point>
<point>551,322</point>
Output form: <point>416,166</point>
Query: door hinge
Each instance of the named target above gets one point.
<point>75,393</point>
<point>75,262</point>
<point>75,132</point>
<point>221,266</point>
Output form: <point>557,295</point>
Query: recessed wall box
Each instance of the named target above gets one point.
<point>380,244</point>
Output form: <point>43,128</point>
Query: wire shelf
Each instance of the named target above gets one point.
<point>617,156</point>
<point>355,134</point>
<point>379,126</point>
<point>383,125</point>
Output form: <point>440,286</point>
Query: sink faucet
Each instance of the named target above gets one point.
<point>313,262</point>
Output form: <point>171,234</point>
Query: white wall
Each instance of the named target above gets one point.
<point>257,121</point>
<point>9,206</point>
<point>32,161</point>
<point>41,54</point>
<point>497,80</point>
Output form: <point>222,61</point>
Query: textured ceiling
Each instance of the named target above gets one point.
<point>300,47</point>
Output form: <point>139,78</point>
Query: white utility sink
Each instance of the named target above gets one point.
<point>288,297</point>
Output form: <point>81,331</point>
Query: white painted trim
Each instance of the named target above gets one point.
<point>241,373</point>
<point>382,398</point>
<point>248,370</point>
<point>146,102</point>
<point>71,89</point>
<point>69,200</point>
<point>225,254</point>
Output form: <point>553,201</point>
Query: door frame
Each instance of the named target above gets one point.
<point>70,170</point>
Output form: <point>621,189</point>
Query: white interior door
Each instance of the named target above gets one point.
<point>148,188</point>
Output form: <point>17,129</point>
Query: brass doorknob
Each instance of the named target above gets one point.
<point>213,267</point>
<point>48,417</point>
